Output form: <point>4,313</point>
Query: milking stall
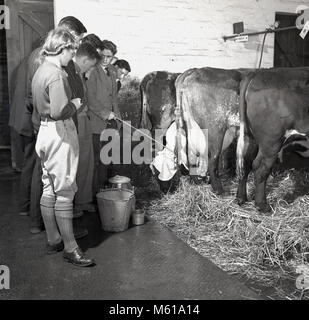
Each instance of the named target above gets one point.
<point>154,151</point>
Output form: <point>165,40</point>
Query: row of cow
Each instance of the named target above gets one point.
<point>260,107</point>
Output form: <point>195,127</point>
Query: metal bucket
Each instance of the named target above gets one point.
<point>138,218</point>
<point>115,207</point>
<point>122,182</point>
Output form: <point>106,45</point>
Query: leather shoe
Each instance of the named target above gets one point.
<point>54,248</point>
<point>78,258</point>
<point>79,232</point>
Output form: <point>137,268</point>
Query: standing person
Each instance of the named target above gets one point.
<point>103,106</point>
<point>86,57</point>
<point>57,145</point>
<point>122,70</point>
<point>77,29</point>
<point>22,131</point>
<point>95,41</point>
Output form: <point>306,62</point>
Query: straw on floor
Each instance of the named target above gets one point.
<point>263,248</point>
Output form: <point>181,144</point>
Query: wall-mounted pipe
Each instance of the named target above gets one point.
<point>259,32</point>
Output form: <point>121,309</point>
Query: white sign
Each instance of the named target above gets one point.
<point>305,30</point>
<point>241,39</point>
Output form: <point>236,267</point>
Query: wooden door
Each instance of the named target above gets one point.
<point>290,49</point>
<point>30,21</point>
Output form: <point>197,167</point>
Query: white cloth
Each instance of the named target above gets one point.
<point>197,148</point>
<point>166,160</point>
<point>196,160</point>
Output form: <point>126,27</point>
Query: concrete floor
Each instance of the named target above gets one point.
<point>145,262</point>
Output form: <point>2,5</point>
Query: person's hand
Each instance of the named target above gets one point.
<point>111,116</point>
<point>77,102</point>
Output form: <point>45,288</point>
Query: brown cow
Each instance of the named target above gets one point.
<point>158,95</point>
<point>209,97</point>
<point>273,102</point>
<point>158,100</point>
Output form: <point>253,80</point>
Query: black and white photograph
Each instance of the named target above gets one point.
<point>154,154</point>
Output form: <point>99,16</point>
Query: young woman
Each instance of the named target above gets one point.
<point>57,144</point>
<point>77,29</point>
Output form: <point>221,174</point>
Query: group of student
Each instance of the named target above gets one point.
<point>71,84</point>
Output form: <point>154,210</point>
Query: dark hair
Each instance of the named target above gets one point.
<point>93,40</point>
<point>86,49</point>
<point>57,40</point>
<point>72,24</point>
<point>123,64</point>
<point>106,44</point>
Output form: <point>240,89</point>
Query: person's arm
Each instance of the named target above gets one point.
<point>34,61</point>
<point>94,104</point>
<point>60,106</point>
<point>115,101</point>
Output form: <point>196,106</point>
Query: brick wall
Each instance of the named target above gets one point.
<point>175,35</point>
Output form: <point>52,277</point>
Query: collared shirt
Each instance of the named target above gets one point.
<point>106,70</point>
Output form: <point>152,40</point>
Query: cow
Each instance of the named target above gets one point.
<point>158,95</point>
<point>273,102</point>
<point>298,145</point>
<point>208,99</point>
<point>158,98</point>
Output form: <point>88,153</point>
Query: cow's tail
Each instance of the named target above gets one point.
<point>179,123</point>
<point>243,127</point>
<point>240,151</point>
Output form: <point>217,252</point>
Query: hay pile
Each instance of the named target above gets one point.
<point>263,248</point>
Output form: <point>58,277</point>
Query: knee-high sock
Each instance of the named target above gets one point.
<point>65,225</point>
<point>50,223</point>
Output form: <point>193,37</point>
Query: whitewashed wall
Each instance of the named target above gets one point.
<point>175,35</point>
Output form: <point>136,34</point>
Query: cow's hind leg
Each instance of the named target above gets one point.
<point>262,166</point>
<point>215,146</point>
<point>250,153</point>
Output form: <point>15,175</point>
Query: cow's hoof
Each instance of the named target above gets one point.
<point>264,208</point>
<point>218,192</point>
<point>197,180</point>
<point>241,201</point>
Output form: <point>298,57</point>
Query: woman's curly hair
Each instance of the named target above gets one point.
<point>57,40</point>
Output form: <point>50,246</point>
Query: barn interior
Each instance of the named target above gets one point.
<point>147,261</point>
